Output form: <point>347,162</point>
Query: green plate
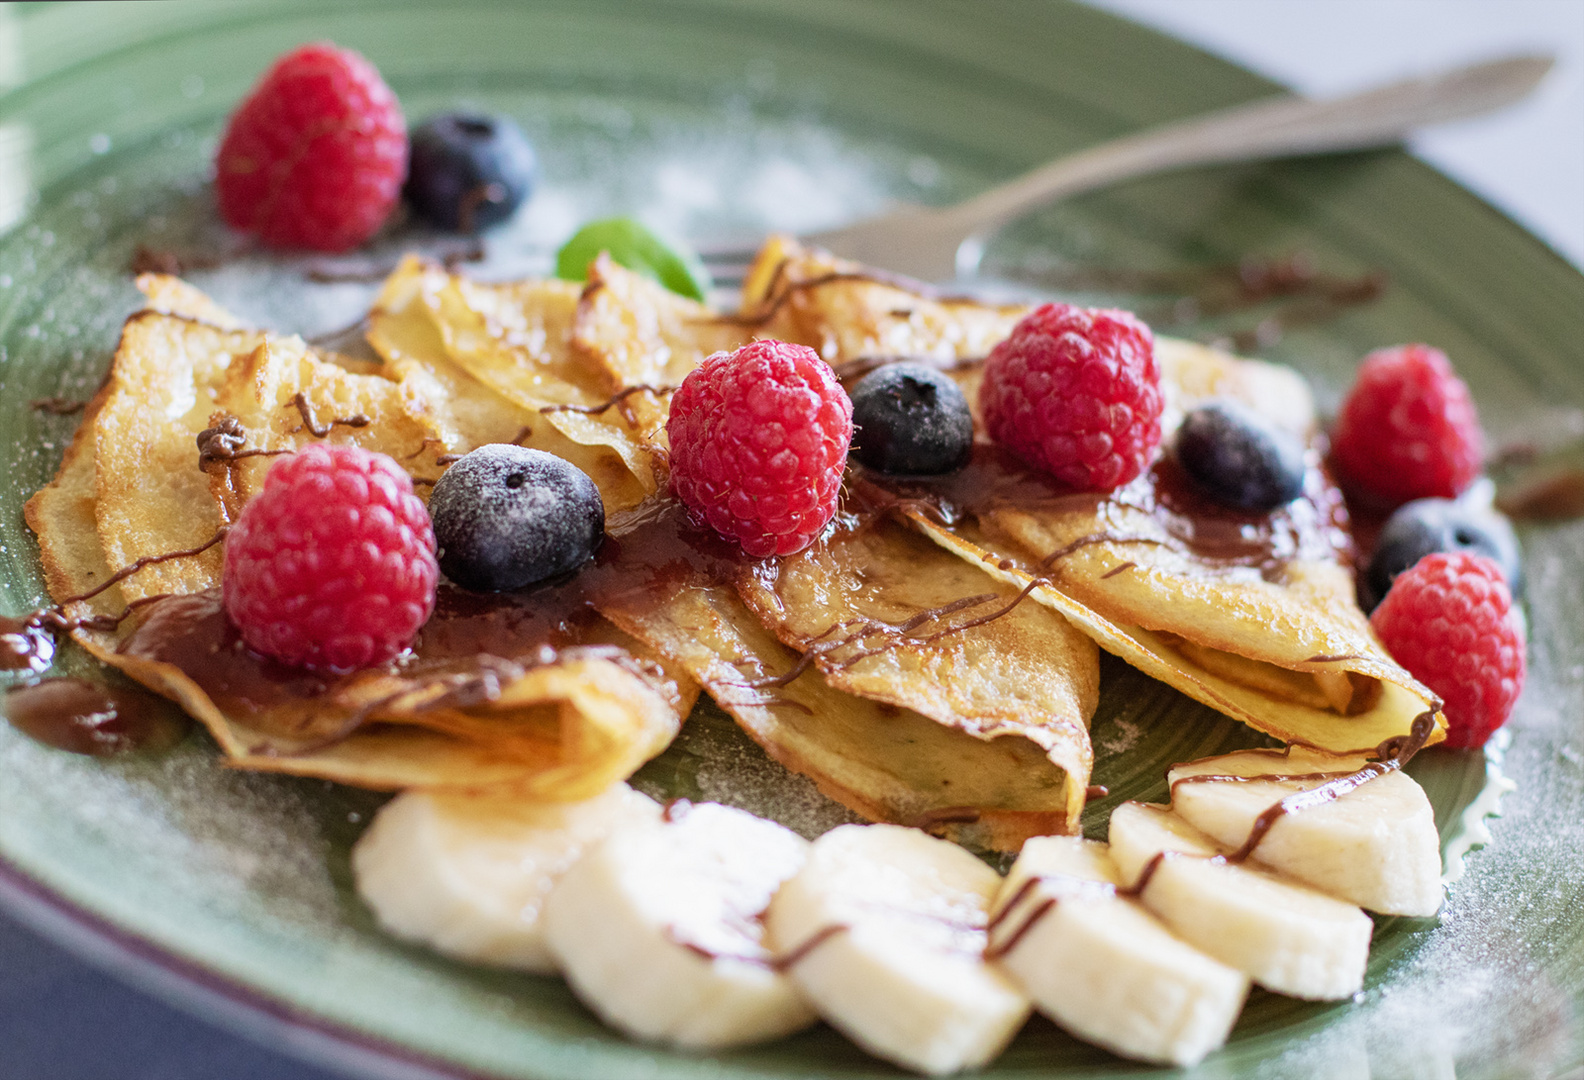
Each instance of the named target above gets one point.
<point>710,119</point>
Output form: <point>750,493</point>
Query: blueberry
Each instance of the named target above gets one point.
<point>908,418</point>
<point>1238,458</point>
<point>506,516</point>
<point>1426,526</point>
<point>467,172</point>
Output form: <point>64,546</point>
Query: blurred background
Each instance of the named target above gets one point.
<point>61,1019</point>
<point>1528,160</point>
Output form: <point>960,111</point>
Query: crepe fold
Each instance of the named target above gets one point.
<point>1253,615</point>
<point>553,711</point>
<point>971,725</point>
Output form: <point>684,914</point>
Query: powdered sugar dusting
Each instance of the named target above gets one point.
<point>1121,736</point>
<point>192,852</point>
<point>714,761</point>
<point>730,180</point>
<point>248,844</point>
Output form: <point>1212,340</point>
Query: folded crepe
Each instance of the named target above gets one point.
<point>194,408</point>
<point>1254,615</point>
<point>914,707</point>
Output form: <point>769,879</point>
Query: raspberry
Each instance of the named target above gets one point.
<point>759,440</point>
<point>1408,429</point>
<point>1449,621</point>
<point>315,157</point>
<point>1076,392</point>
<point>331,566</point>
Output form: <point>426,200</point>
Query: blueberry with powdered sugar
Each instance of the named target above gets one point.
<point>506,516</point>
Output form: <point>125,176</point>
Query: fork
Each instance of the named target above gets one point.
<point>937,243</point>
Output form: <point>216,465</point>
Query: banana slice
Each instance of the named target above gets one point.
<point>884,931</point>
<point>467,874</point>
<point>1375,846</point>
<point>1284,936</point>
<point>1101,966</point>
<point>657,928</point>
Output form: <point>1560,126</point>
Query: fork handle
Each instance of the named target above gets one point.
<point>1276,127</point>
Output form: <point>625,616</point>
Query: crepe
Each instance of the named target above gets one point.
<point>1253,615</point>
<point>486,700</point>
<point>926,661</point>
<point>917,732</point>
<point>516,342</point>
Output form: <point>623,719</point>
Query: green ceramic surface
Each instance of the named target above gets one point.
<point>709,119</point>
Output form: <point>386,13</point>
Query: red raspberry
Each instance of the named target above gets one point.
<point>315,157</point>
<point>1449,620</point>
<point>1408,429</point>
<point>332,565</point>
<point>759,440</point>
<point>1076,392</point>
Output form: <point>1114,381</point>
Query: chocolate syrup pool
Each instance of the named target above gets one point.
<point>87,718</point>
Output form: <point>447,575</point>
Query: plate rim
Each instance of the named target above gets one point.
<point>210,995</point>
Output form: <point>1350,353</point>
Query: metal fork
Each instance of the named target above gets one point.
<point>936,243</point>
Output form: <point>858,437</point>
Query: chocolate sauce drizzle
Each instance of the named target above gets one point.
<point>1218,538</point>
<point>611,403</point>
<point>1391,755</point>
<point>147,260</point>
<point>1301,293</point>
<point>222,444</point>
<point>785,961</point>
<point>28,643</point>
<point>460,690</point>
<point>1553,496</point>
<point>65,713</point>
<point>1065,886</point>
<point>788,959</point>
<point>822,647</point>
<point>1000,949</point>
<point>1146,874</point>
<point>780,292</point>
<point>57,406</point>
<point>85,718</point>
<point>931,820</point>
<point>320,429</point>
<point>675,937</point>
<point>518,439</point>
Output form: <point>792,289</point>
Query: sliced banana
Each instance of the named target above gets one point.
<point>884,931</point>
<point>1101,966</point>
<point>1284,936</point>
<point>657,928</point>
<point>468,874</point>
<point>1375,846</point>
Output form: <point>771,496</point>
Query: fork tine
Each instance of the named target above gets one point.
<point>727,262</point>
<point>729,251</point>
<point>730,277</point>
